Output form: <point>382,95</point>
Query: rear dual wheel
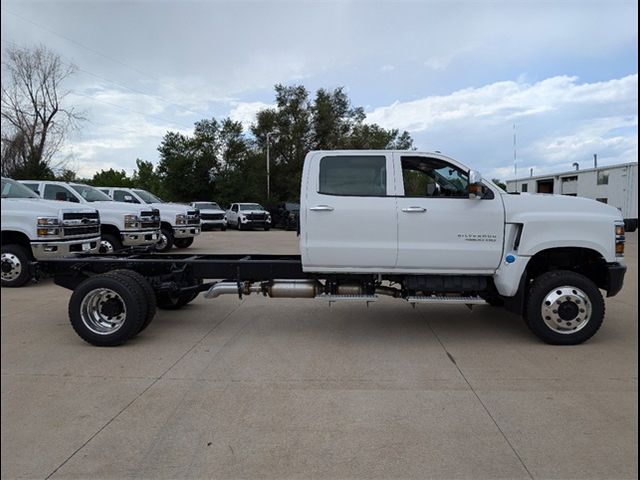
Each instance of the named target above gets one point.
<point>108,309</point>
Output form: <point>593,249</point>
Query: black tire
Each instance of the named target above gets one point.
<point>266,229</point>
<point>167,301</point>
<point>183,242</point>
<point>130,303</point>
<point>549,285</point>
<point>239,225</point>
<point>150,295</point>
<point>168,240</point>
<point>109,243</point>
<point>15,265</point>
<point>223,228</point>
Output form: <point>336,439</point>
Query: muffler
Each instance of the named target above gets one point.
<point>274,289</point>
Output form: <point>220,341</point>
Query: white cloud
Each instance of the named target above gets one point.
<point>245,112</point>
<point>559,121</point>
<point>500,101</point>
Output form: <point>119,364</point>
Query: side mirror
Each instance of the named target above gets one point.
<point>475,184</point>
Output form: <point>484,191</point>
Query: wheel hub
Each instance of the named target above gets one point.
<point>106,247</point>
<point>112,307</point>
<point>11,266</point>
<point>103,311</point>
<point>566,309</point>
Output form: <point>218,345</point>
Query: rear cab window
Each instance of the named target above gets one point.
<point>353,175</point>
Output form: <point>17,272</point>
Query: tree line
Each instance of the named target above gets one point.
<point>220,161</point>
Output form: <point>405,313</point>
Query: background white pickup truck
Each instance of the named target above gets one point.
<point>179,224</point>
<point>33,228</point>
<point>248,215</point>
<point>121,224</point>
<point>211,215</point>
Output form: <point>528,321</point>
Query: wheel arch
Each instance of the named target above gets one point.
<point>14,237</point>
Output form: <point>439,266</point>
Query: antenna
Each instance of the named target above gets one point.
<point>515,158</point>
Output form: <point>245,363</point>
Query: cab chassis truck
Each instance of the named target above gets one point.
<point>419,227</point>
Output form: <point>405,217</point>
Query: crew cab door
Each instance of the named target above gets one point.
<point>440,229</point>
<point>348,212</point>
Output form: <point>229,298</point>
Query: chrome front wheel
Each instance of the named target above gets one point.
<point>566,309</point>
<point>11,267</point>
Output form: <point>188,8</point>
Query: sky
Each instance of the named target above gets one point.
<point>461,77</point>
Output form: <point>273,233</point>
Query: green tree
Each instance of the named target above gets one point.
<point>111,178</point>
<point>500,183</point>
<point>146,177</point>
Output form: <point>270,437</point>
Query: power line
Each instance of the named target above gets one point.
<point>75,42</point>
<point>121,86</point>
<point>135,90</point>
<point>131,110</point>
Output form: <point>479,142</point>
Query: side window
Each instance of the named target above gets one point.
<point>105,191</point>
<point>58,192</point>
<point>352,175</point>
<point>32,186</point>
<point>432,177</point>
<point>234,208</point>
<point>122,196</point>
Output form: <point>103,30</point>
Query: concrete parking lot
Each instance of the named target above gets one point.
<point>294,388</point>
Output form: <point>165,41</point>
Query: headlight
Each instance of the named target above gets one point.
<point>181,219</point>
<point>131,222</point>
<point>47,227</point>
<point>47,221</point>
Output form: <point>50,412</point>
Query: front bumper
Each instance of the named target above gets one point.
<point>615,278</point>
<point>185,231</point>
<point>214,223</point>
<point>56,249</point>
<point>134,238</point>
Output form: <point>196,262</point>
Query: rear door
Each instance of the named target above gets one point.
<point>349,212</point>
<point>440,229</point>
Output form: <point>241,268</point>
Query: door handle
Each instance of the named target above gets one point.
<point>414,209</point>
<point>322,208</point>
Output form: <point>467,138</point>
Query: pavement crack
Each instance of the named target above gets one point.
<point>145,390</point>
<point>473,390</point>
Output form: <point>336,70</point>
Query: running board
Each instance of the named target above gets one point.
<point>346,298</point>
<point>463,300</point>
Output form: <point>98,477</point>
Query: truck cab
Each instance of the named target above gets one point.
<point>122,224</point>
<point>179,224</point>
<point>36,229</point>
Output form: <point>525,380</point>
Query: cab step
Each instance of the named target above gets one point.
<point>346,298</point>
<point>464,300</point>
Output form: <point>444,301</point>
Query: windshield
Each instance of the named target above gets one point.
<point>250,206</point>
<point>206,206</point>
<point>91,194</point>
<point>13,189</point>
<point>148,197</point>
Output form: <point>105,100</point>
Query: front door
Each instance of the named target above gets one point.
<point>440,229</point>
<point>349,213</point>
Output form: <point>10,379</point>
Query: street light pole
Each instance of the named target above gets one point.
<point>268,164</point>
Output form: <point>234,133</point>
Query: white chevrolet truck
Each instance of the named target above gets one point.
<point>418,227</point>
<point>122,224</point>
<point>38,229</point>
<point>179,224</point>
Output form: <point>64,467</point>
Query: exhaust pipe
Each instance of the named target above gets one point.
<point>275,289</point>
<point>222,288</point>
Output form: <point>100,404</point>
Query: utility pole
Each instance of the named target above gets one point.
<point>269,164</point>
